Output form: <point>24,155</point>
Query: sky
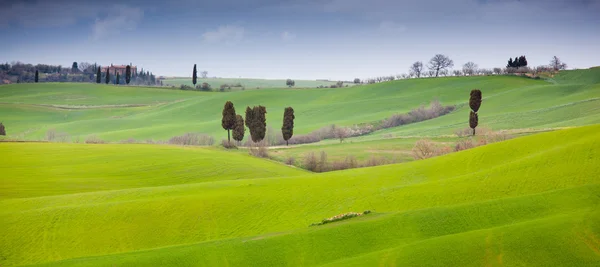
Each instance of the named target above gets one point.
<point>298,39</point>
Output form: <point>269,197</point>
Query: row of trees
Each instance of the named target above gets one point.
<point>440,65</point>
<point>256,121</point>
<point>517,63</point>
<point>18,72</point>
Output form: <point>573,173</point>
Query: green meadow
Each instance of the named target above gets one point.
<point>533,200</point>
<point>119,113</point>
<point>528,201</point>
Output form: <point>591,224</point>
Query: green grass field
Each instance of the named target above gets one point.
<point>247,83</point>
<point>119,113</point>
<point>529,201</point>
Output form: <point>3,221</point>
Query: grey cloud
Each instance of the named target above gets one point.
<point>121,18</point>
<point>45,13</point>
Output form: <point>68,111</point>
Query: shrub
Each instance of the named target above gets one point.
<point>94,139</point>
<point>341,217</point>
<point>128,141</point>
<point>498,136</point>
<point>348,163</point>
<point>192,139</point>
<point>310,162</point>
<point>421,113</point>
<point>290,161</point>
<point>375,161</point>
<point>323,166</point>
<point>60,137</point>
<point>423,149</point>
<point>228,145</point>
<point>259,150</point>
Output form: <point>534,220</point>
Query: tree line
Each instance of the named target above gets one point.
<point>441,65</point>
<point>256,121</point>
<point>18,72</point>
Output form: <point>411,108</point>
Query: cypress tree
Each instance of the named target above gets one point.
<point>287,129</point>
<point>260,123</point>
<point>128,74</point>
<point>2,129</point>
<point>473,121</point>
<point>107,75</point>
<point>474,104</point>
<point>194,76</point>
<point>229,119</point>
<point>239,129</point>
<point>37,76</point>
<point>510,63</point>
<point>98,74</point>
<point>249,119</point>
<point>256,121</point>
<point>117,80</point>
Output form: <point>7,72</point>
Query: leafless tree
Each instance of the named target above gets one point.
<point>404,76</point>
<point>204,74</point>
<point>439,62</point>
<point>557,64</point>
<point>470,68</point>
<point>85,67</point>
<point>497,71</point>
<point>416,69</point>
<point>341,133</point>
<point>457,72</point>
<point>432,73</point>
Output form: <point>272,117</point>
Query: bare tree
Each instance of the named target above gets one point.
<point>457,72</point>
<point>86,67</point>
<point>440,62</point>
<point>204,74</point>
<point>416,69</point>
<point>431,73</point>
<point>341,133</point>
<point>497,71</point>
<point>470,68</point>
<point>557,64</point>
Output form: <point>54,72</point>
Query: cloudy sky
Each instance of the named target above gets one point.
<point>300,39</point>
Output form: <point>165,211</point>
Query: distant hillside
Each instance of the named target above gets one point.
<point>248,83</point>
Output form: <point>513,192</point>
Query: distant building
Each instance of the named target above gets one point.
<point>121,69</point>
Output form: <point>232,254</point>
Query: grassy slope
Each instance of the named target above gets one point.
<point>53,169</point>
<point>247,83</point>
<point>535,195</point>
<point>509,102</point>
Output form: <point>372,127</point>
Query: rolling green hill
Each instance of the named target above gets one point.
<point>528,201</point>
<point>118,113</point>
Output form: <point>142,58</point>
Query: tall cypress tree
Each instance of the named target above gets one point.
<point>98,74</point>
<point>128,74</point>
<point>117,80</point>
<point>239,129</point>
<point>194,76</point>
<point>474,104</point>
<point>510,63</point>
<point>37,76</point>
<point>229,119</point>
<point>288,124</point>
<point>107,75</point>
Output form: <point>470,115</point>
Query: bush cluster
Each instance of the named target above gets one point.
<point>341,217</point>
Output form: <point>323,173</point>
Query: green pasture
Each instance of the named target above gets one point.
<point>529,201</point>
